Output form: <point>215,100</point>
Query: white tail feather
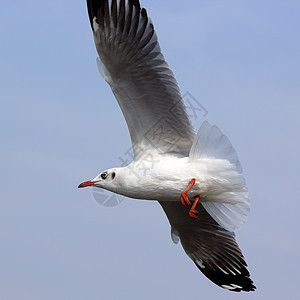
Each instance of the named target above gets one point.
<point>229,208</point>
<point>229,216</point>
<point>210,142</point>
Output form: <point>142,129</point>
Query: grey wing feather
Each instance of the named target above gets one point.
<point>212,248</point>
<point>146,90</point>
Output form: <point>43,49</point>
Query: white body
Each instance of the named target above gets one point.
<point>167,177</point>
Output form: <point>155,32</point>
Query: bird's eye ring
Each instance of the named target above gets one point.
<point>104,175</point>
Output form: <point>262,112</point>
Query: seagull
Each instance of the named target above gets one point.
<point>196,177</point>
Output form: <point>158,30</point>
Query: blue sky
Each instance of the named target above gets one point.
<point>60,125</point>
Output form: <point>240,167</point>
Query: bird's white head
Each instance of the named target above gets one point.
<point>105,180</point>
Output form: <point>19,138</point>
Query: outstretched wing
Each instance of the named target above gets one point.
<point>212,248</point>
<point>145,87</point>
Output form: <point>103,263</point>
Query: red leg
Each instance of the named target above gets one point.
<point>184,199</point>
<point>193,212</point>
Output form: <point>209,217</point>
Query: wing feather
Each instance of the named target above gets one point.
<point>212,248</point>
<point>140,78</point>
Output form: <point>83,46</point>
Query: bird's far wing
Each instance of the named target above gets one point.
<point>145,87</point>
<point>212,248</point>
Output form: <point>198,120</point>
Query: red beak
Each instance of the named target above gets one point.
<point>87,183</point>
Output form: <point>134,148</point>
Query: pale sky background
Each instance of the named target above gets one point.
<point>60,125</point>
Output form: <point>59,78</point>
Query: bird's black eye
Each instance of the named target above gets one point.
<point>104,175</point>
<point>113,175</point>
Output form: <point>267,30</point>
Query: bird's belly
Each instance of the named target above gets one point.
<point>167,181</point>
<point>166,190</point>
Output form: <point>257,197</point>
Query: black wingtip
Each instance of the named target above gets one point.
<point>136,3</point>
<point>238,282</point>
<point>93,7</point>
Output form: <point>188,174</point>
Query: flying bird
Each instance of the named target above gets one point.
<point>196,177</point>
